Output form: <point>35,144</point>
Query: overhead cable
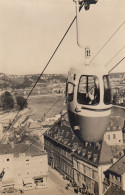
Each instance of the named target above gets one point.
<point>121,25</point>
<point>39,77</point>
<point>116,65</point>
<point>47,111</point>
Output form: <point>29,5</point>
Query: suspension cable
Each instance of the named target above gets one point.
<point>116,65</point>
<point>47,111</point>
<point>36,140</point>
<point>39,77</point>
<point>115,55</point>
<point>108,40</point>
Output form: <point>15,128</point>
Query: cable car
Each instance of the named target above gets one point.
<point>88,94</point>
<point>88,98</point>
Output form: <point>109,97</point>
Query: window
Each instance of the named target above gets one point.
<point>107,91</point>
<point>88,90</point>
<point>84,169</point>
<point>114,136</point>
<point>93,174</point>
<point>70,92</point>
<point>108,137</point>
<point>78,177</point>
<point>78,165</point>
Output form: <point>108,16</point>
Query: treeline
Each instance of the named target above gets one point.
<point>22,82</point>
<point>8,102</point>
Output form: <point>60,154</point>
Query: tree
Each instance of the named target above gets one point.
<point>21,102</point>
<point>7,101</point>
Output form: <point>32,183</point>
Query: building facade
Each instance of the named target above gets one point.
<point>82,163</point>
<point>114,134</point>
<point>115,175</point>
<point>59,151</point>
<point>24,166</point>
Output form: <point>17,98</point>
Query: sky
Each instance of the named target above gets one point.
<point>30,31</point>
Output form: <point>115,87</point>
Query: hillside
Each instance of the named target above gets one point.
<point>25,81</point>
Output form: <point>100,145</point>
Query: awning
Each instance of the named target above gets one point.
<point>40,176</point>
<point>27,180</point>
<point>7,182</point>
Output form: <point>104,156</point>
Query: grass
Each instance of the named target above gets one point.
<point>42,104</point>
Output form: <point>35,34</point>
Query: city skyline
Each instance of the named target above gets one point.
<point>31,30</point>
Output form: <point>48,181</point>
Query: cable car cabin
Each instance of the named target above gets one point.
<point>88,102</point>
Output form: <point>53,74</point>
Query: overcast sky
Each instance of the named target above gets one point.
<point>30,30</point>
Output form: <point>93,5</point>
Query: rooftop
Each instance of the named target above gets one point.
<point>114,190</point>
<point>116,123</point>
<point>20,148</point>
<point>119,166</point>
<point>96,153</point>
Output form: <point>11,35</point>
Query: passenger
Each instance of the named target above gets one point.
<point>91,96</point>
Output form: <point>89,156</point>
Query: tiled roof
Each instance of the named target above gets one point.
<point>16,119</point>
<point>21,130</point>
<point>119,166</point>
<point>96,153</point>
<point>115,123</point>
<point>5,149</point>
<point>28,149</point>
<point>105,154</point>
<point>25,119</point>
<point>114,190</point>
<point>34,125</point>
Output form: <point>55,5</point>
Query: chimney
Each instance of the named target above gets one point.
<point>79,149</point>
<point>60,138</point>
<point>62,131</point>
<point>55,136</point>
<point>95,157</point>
<point>114,160</point>
<point>75,146</point>
<point>89,154</point>
<point>27,142</point>
<point>67,133</point>
<point>108,128</point>
<point>83,152</point>
<point>73,136</point>
<point>12,145</point>
<point>65,141</point>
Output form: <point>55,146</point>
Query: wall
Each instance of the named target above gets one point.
<point>85,173</point>
<point>25,168</point>
<point>118,140</point>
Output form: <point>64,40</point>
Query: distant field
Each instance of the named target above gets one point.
<point>41,104</point>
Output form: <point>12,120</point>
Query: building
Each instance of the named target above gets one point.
<point>1,131</point>
<point>90,161</point>
<point>80,162</point>
<point>24,165</point>
<point>115,176</point>
<point>114,133</point>
<point>114,190</point>
<point>58,143</point>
